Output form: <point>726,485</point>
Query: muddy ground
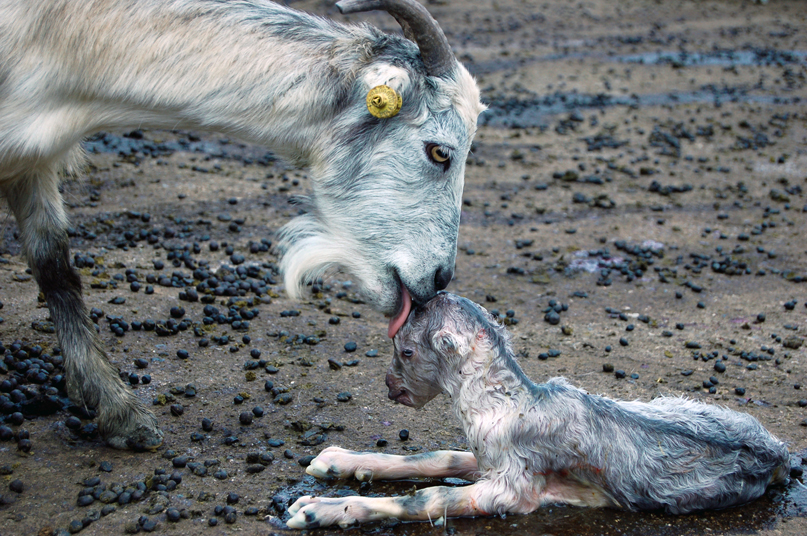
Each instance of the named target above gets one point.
<point>642,162</point>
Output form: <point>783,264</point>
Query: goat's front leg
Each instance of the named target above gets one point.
<point>426,504</point>
<point>123,420</point>
<point>335,462</point>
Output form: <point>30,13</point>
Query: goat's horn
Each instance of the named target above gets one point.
<point>417,25</point>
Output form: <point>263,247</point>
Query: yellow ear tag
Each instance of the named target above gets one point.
<point>383,102</point>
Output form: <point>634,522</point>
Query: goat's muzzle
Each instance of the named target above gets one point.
<point>396,392</point>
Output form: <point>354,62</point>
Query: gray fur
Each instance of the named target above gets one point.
<point>535,444</point>
<point>257,71</point>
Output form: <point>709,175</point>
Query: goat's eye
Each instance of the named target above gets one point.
<point>407,352</point>
<point>439,155</point>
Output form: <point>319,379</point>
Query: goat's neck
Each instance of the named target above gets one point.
<point>262,73</point>
<point>491,382</point>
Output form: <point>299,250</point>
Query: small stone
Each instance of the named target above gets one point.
<point>403,434</point>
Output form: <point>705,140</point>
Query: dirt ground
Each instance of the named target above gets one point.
<point>642,163</point>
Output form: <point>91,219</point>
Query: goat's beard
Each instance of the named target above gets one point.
<point>308,251</point>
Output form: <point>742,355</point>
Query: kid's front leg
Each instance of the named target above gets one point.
<point>335,462</point>
<point>426,504</point>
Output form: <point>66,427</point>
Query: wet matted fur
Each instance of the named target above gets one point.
<point>535,444</point>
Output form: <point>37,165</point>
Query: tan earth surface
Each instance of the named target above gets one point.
<point>663,141</point>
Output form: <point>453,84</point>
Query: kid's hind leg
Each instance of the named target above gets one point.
<point>123,420</point>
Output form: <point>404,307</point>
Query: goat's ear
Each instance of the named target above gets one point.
<point>447,342</point>
<point>384,74</point>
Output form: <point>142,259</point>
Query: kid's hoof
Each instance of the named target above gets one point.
<point>142,438</point>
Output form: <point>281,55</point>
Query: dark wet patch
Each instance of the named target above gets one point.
<point>778,503</point>
<point>721,57</point>
<point>535,112</point>
<point>134,144</point>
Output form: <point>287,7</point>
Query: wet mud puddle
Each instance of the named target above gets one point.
<point>777,505</point>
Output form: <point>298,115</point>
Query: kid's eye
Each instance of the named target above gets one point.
<point>407,352</point>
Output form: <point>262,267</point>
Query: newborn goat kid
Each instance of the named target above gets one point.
<point>538,444</point>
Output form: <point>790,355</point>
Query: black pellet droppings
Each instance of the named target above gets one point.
<point>105,467</point>
<point>381,443</point>
<point>180,461</point>
<point>268,385</point>
<point>257,411</point>
<point>172,515</point>
<point>183,354</point>
<point>305,461</point>
<point>403,434</point>
<point>713,380</point>
<point>177,410</point>
<point>350,346</point>
<point>623,341</point>
<point>275,442</point>
<point>72,423</point>
<point>212,522</point>
<point>619,374</point>
<point>16,486</point>
<point>141,363</point>
<point>720,366</point>
<point>75,526</point>
<point>344,396</point>
<point>607,367</point>
<point>803,403</point>
<point>85,500</point>
<point>761,317</point>
<point>739,391</point>
<point>283,398</point>
<point>245,418</point>
<point>288,454</point>
<point>230,517</point>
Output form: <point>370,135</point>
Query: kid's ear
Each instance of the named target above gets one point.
<point>447,342</point>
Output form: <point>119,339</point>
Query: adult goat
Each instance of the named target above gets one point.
<point>384,123</point>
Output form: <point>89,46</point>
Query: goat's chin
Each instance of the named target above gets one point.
<point>307,254</point>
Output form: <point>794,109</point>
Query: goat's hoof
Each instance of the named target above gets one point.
<point>143,437</point>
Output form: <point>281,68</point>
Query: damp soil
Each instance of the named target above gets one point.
<point>642,163</point>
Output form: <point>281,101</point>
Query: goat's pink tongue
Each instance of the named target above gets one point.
<point>398,320</point>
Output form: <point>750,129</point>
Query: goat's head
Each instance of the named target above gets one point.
<point>441,340</point>
<point>387,190</point>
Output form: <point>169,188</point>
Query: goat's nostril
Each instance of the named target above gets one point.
<point>442,278</point>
